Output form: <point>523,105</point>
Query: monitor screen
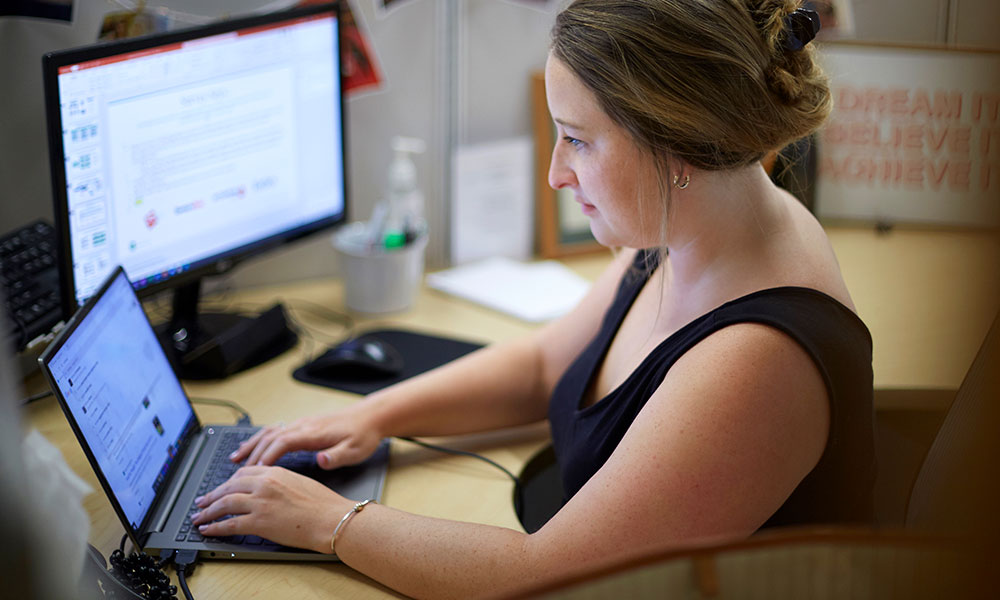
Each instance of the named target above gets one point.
<point>175,155</point>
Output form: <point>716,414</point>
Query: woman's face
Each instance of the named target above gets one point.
<point>614,183</point>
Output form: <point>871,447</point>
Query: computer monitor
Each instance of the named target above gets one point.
<point>178,155</point>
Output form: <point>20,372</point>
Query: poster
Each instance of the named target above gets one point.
<point>358,61</point>
<point>914,136</point>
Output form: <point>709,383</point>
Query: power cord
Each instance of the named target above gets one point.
<point>518,490</point>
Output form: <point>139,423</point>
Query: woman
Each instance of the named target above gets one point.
<point>714,382</point>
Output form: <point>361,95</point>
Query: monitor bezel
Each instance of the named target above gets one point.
<point>220,263</point>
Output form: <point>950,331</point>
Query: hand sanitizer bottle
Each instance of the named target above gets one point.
<point>406,202</point>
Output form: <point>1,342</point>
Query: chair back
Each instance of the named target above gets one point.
<point>957,489</point>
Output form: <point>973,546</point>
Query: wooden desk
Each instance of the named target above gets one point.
<point>928,299</point>
<point>419,480</point>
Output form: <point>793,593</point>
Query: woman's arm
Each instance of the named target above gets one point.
<point>502,385</point>
<point>498,386</point>
<point>738,422</point>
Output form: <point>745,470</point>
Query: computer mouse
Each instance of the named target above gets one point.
<point>359,358</point>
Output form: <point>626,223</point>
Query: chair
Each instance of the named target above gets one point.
<point>798,564</point>
<point>957,488</point>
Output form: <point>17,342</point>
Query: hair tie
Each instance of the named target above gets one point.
<point>801,27</point>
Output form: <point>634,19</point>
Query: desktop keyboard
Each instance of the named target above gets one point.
<point>29,282</point>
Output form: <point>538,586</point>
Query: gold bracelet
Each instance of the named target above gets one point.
<point>357,508</point>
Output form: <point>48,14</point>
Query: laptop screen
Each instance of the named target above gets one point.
<point>123,395</point>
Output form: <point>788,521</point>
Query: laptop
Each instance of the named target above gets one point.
<point>144,441</point>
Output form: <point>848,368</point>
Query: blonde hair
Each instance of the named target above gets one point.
<point>706,81</point>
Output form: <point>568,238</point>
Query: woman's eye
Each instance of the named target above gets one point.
<point>572,141</point>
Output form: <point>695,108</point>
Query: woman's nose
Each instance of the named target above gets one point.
<point>560,173</point>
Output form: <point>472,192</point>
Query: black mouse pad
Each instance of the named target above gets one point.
<point>420,352</point>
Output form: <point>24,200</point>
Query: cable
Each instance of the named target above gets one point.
<point>322,312</point>
<point>37,396</point>
<point>182,579</point>
<point>514,478</point>
<point>244,420</point>
<point>184,564</point>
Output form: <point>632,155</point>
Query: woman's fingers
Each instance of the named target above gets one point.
<point>276,449</point>
<point>248,445</point>
<point>349,451</point>
<point>343,447</point>
<point>237,525</point>
<point>333,457</point>
<point>243,481</point>
<point>230,504</point>
<point>269,437</point>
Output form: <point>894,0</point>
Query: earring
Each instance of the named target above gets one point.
<point>681,186</point>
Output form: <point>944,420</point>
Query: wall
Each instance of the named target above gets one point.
<point>24,163</point>
<point>457,72</point>
<point>412,46</point>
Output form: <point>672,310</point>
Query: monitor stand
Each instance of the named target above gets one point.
<point>216,345</point>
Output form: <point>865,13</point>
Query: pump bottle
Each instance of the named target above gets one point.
<point>405,220</point>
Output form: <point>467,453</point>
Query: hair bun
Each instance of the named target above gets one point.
<point>784,84</point>
<point>786,28</point>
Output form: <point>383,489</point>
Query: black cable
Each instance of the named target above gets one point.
<point>345,321</point>
<point>308,340</point>
<point>184,564</point>
<point>37,396</point>
<point>517,480</point>
<point>322,312</point>
<point>182,579</point>
<point>244,419</point>
<point>456,452</point>
<point>166,559</point>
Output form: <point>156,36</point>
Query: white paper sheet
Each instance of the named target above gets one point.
<point>492,211</point>
<point>534,292</point>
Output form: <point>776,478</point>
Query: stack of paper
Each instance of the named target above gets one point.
<point>534,292</point>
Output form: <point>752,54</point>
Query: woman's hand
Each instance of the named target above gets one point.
<point>276,504</point>
<point>346,437</point>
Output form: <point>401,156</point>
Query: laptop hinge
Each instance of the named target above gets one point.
<point>167,506</point>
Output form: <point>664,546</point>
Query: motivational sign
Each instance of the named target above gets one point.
<point>914,136</point>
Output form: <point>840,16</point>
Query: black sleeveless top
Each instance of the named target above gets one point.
<point>837,490</point>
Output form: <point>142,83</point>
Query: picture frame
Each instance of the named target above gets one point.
<point>561,228</point>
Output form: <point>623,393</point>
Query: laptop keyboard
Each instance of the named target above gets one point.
<point>220,470</point>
